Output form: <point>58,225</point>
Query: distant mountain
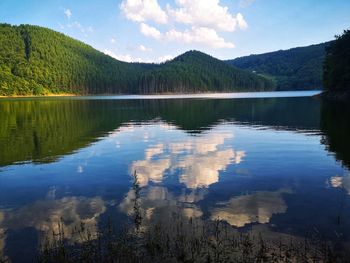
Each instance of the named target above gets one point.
<point>36,60</point>
<point>294,69</point>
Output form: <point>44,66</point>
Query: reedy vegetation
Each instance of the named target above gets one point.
<point>185,240</point>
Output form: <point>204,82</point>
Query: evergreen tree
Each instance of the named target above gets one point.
<point>336,75</point>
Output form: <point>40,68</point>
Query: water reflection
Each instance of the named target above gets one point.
<point>258,162</point>
<point>158,203</point>
<point>336,126</point>
<point>44,130</point>
<point>257,207</point>
<point>198,160</point>
<point>341,182</point>
<point>59,216</point>
<point>47,215</point>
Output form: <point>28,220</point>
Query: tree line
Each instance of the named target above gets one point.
<point>336,74</point>
<point>37,61</point>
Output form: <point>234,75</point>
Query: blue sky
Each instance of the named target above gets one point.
<point>155,30</point>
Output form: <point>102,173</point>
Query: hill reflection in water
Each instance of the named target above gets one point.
<point>277,165</point>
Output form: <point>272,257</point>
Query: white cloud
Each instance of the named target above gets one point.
<point>150,31</point>
<point>165,58</point>
<point>242,24</point>
<point>144,10</point>
<point>206,13</point>
<point>143,48</point>
<point>197,35</point>
<point>68,13</point>
<point>200,35</point>
<point>112,40</point>
<point>205,17</point>
<point>125,57</point>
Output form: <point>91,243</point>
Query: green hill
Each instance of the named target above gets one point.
<point>36,61</point>
<point>195,71</point>
<point>294,69</point>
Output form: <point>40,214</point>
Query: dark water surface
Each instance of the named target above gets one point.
<point>279,165</point>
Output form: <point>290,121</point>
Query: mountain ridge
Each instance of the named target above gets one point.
<point>292,69</point>
<point>37,61</point>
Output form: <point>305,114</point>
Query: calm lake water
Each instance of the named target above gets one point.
<point>279,165</point>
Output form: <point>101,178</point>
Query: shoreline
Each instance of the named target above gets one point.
<point>237,94</point>
<point>41,96</point>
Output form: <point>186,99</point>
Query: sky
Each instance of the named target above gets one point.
<point>158,30</point>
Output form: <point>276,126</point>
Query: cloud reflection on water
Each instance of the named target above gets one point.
<point>195,162</point>
<point>341,182</point>
<point>198,160</point>
<point>258,207</point>
<point>52,216</point>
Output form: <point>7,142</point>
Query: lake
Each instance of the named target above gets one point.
<point>276,164</point>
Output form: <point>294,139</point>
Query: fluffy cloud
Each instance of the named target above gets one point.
<point>143,48</point>
<point>201,35</point>
<point>206,13</point>
<point>68,13</point>
<point>205,18</point>
<point>165,58</point>
<point>126,57</point>
<point>150,31</point>
<point>143,10</point>
<point>242,24</point>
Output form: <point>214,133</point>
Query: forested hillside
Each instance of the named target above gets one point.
<point>293,69</point>
<point>195,71</point>
<point>337,64</point>
<point>36,61</point>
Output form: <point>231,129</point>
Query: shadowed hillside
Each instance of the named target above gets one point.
<point>294,69</point>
